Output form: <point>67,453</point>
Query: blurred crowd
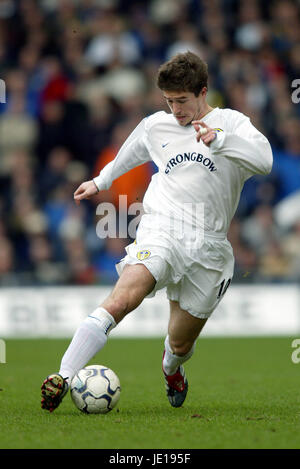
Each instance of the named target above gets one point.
<point>79,76</point>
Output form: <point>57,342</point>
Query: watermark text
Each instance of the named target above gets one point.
<point>296,353</point>
<point>187,223</point>
<point>2,351</point>
<point>296,92</point>
<point>2,92</point>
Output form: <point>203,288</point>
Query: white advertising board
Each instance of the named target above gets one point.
<point>57,311</point>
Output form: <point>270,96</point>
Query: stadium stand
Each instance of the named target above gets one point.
<point>79,77</point>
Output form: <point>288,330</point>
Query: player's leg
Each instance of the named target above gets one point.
<point>183,331</point>
<point>199,292</point>
<point>134,284</point>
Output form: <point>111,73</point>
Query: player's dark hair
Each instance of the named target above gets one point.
<point>183,72</point>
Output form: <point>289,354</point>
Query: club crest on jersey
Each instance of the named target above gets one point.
<point>142,255</point>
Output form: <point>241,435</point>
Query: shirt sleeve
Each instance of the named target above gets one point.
<point>132,153</point>
<point>244,145</point>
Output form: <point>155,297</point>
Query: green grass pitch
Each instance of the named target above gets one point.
<point>243,393</point>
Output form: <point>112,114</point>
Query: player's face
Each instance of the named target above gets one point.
<point>185,106</point>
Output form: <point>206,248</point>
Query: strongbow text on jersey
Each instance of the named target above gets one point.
<point>194,157</point>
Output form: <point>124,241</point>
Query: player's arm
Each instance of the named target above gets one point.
<point>243,144</point>
<point>133,153</point>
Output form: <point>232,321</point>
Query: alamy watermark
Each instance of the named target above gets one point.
<point>187,222</point>
<point>2,351</point>
<point>296,353</point>
<point>118,223</point>
<point>2,92</point>
<point>296,93</point>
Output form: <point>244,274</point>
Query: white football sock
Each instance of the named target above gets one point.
<point>171,361</point>
<point>90,338</point>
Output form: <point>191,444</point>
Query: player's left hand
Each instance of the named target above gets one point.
<point>203,132</point>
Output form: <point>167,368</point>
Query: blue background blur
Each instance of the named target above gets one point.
<point>79,77</point>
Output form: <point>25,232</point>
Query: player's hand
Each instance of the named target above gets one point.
<point>85,191</point>
<point>203,132</point>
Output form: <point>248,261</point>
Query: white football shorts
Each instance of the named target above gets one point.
<point>196,273</point>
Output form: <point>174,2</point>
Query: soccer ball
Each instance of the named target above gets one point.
<point>95,389</point>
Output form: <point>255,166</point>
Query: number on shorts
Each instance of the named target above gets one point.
<point>223,289</point>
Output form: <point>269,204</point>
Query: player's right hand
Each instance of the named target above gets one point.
<point>85,191</point>
<point>203,132</point>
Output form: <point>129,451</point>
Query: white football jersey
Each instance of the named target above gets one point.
<point>191,175</point>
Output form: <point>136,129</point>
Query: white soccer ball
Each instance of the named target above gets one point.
<point>95,389</point>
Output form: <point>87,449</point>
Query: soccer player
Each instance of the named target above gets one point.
<point>204,156</point>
